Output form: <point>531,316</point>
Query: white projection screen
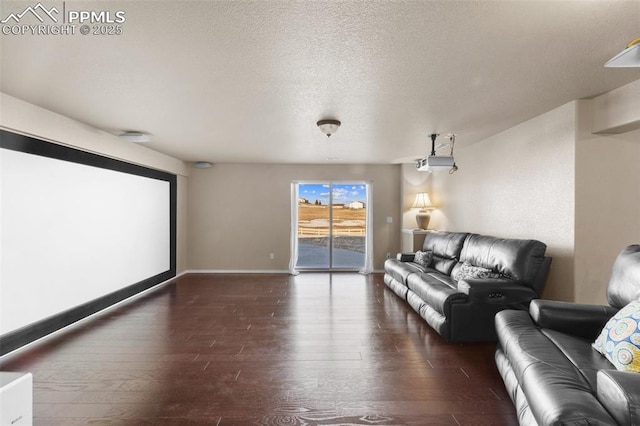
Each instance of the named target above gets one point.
<point>78,232</point>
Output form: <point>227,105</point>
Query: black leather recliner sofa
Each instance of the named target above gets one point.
<point>553,374</point>
<point>463,309</point>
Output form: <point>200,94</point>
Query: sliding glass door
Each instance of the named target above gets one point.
<point>332,225</point>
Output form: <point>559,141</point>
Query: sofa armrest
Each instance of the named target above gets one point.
<point>576,319</point>
<point>406,257</point>
<point>619,393</point>
<point>499,291</point>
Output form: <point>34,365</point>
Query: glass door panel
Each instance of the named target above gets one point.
<point>331,225</point>
<point>348,226</point>
<point>314,222</point>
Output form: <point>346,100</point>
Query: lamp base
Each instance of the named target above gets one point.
<point>422,219</point>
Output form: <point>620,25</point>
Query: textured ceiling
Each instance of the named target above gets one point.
<point>245,81</point>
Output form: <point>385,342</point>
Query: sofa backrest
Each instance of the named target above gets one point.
<point>520,260</point>
<point>446,248</point>
<point>624,284</point>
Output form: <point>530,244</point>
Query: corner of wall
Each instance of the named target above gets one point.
<point>607,190</point>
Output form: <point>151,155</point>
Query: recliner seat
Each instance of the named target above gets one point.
<point>553,374</point>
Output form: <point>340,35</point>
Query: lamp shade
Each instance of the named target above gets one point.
<point>422,201</point>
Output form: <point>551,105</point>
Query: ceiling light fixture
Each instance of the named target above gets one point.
<point>328,126</point>
<point>137,137</point>
<point>202,165</point>
<point>629,57</point>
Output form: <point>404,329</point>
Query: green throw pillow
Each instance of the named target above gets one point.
<point>619,340</point>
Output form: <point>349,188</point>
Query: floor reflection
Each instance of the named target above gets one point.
<point>317,348</point>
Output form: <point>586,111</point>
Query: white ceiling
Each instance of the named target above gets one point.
<point>246,81</point>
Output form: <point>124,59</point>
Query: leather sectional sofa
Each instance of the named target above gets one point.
<point>458,307</point>
<point>553,374</point>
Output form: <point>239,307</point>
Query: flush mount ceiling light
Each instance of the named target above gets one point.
<point>137,137</point>
<point>202,165</point>
<point>629,57</point>
<point>329,126</point>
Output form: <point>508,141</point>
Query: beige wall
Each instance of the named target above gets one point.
<point>239,213</point>
<point>412,183</point>
<point>607,203</point>
<point>181,243</point>
<point>617,111</point>
<point>551,179</point>
<point>25,118</point>
<point>518,184</point>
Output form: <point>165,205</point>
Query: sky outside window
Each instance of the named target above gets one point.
<point>342,193</point>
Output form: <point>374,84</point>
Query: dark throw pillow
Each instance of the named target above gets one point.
<point>468,271</point>
<point>423,258</point>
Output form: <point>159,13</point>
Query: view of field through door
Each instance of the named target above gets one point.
<point>332,225</point>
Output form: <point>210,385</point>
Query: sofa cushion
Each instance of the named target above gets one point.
<point>446,248</point>
<point>579,351</point>
<point>436,290</point>
<point>401,270</point>
<point>619,340</point>
<point>423,258</point>
<point>519,260</point>
<point>618,393</point>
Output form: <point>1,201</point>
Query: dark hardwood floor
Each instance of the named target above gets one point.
<point>316,349</point>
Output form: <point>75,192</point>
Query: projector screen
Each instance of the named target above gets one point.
<point>76,227</point>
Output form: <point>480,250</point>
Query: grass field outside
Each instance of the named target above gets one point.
<point>313,221</point>
<point>349,230</point>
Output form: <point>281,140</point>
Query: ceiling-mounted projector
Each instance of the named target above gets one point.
<point>428,163</point>
<point>434,161</point>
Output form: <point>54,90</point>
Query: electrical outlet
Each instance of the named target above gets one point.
<point>389,219</point>
<point>388,255</point>
<point>272,256</point>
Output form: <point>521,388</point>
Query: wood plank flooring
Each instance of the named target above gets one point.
<point>316,349</point>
